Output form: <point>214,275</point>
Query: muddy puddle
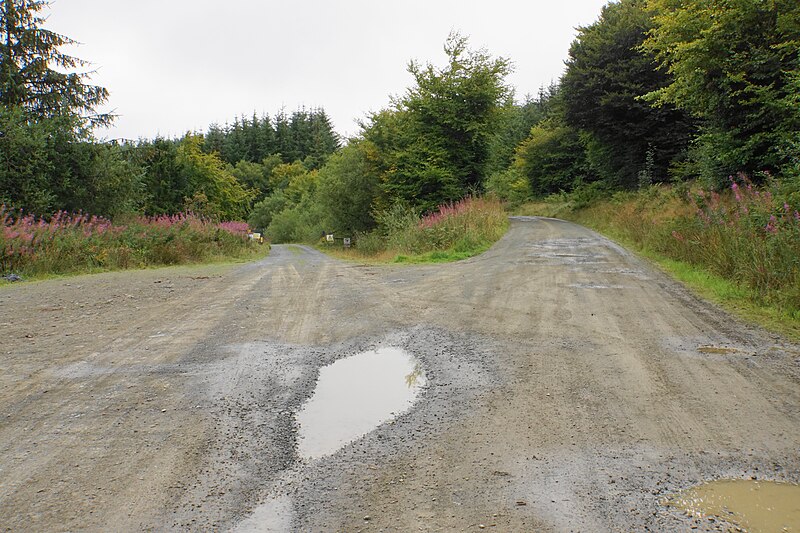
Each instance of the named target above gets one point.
<point>355,395</point>
<point>755,506</point>
<point>716,350</point>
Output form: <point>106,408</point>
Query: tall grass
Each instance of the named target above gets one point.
<point>454,231</point>
<point>68,243</point>
<point>745,234</point>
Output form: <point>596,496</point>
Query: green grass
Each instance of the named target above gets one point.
<point>65,244</point>
<point>739,249</point>
<point>452,233</point>
<point>730,296</point>
<point>440,256</point>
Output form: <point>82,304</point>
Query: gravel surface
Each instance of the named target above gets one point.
<point>570,387</point>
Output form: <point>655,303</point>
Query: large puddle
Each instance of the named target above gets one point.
<point>354,396</point>
<point>756,506</point>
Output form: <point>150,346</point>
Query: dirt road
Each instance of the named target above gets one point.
<point>569,388</point>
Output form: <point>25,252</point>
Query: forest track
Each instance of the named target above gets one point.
<point>569,388</point>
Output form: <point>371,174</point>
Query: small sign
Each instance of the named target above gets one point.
<point>347,242</point>
<point>329,237</point>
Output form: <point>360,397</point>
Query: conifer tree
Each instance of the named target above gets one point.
<point>38,78</point>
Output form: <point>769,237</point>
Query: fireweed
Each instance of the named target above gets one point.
<point>744,234</point>
<point>464,226</point>
<point>79,242</point>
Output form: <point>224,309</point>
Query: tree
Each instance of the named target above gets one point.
<point>25,167</point>
<point>348,189</point>
<point>606,76</point>
<point>733,64</point>
<point>32,68</point>
<point>165,185</point>
<point>458,108</point>
<point>432,146</point>
<point>551,158</point>
<point>215,192</point>
<point>515,125</point>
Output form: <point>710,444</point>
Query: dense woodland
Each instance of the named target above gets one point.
<point>654,91</point>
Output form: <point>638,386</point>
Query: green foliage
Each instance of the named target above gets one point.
<point>282,175</point>
<point>433,146</point>
<point>25,168</point>
<point>290,213</point>
<point>551,158</point>
<point>607,74</point>
<point>44,168</point>
<point>306,136</point>
<point>48,157</point>
<point>510,186</point>
<point>165,185</point>
<point>348,188</point>
<point>735,65</point>
<point>38,78</point>
<point>515,125</point>
<point>301,222</point>
<point>254,176</point>
<point>79,243</point>
<point>215,191</point>
<point>263,211</point>
<point>459,107</point>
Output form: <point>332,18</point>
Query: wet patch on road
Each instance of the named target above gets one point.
<point>755,505</point>
<point>716,350</point>
<point>355,395</point>
<point>594,286</point>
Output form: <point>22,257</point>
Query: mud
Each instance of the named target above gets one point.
<point>565,391</point>
<point>758,506</point>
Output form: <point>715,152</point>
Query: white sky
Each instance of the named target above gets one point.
<point>178,65</point>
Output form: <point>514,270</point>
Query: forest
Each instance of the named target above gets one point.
<point>694,96</point>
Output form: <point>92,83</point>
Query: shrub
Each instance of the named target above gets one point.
<point>746,234</point>
<point>67,243</point>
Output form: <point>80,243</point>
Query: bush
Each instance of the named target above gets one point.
<point>746,234</point>
<point>74,243</point>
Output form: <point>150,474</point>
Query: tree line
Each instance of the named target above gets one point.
<point>664,91</point>
<point>653,91</point>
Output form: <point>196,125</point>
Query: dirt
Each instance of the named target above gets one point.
<point>567,389</point>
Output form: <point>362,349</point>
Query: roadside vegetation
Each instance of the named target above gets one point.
<point>661,103</point>
<point>452,232</point>
<point>68,244</point>
<point>739,247</point>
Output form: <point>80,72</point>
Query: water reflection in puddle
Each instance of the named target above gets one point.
<point>756,506</point>
<point>354,396</point>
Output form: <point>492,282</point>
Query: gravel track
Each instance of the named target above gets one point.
<point>570,387</point>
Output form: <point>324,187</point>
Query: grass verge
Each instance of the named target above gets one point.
<point>451,233</point>
<point>65,244</point>
<point>739,249</point>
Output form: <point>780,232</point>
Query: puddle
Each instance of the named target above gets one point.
<point>756,506</point>
<point>354,396</point>
<point>594,286</point>
<point>272,516</point>
<point>718,350</point>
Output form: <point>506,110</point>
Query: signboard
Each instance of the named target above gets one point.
<point>347,242</point>
<point>329,237</point>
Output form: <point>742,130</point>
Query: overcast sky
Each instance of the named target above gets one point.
<point>178,65</point>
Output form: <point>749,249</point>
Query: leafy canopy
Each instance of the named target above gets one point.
<point>735,65</point>
<point>607,74</point>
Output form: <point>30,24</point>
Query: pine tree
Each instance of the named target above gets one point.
<point>35,76</point>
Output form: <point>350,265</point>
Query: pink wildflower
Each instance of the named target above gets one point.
<point>736,191</point>
<point>772,225</point>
